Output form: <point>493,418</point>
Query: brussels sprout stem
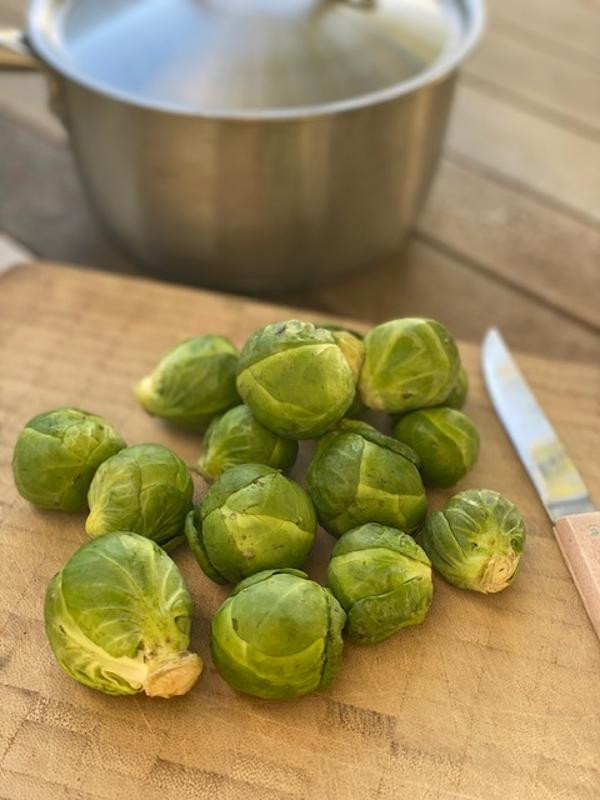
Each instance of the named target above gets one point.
<point>173,675</point>
<point>498,573</point>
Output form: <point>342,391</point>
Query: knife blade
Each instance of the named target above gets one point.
<point>558,483</point>
<point>553,474</point>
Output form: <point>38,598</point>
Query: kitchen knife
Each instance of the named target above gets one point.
<point>558,483</point>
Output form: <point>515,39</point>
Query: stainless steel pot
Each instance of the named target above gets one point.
<point>255,144</point>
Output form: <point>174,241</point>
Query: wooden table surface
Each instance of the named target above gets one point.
<point>511,232</point>
<point>492,698</point>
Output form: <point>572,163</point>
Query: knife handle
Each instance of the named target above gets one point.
<point>578,537</point>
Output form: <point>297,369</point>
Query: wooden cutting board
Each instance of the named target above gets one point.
<point>493,697</point>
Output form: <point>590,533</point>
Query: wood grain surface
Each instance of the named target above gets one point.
<point>493,698</point>
<point>512,226</point>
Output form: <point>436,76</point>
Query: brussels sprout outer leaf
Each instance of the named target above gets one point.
<point>192,383</point>
<point>353,349</point>
<point>446,440</point>
<point>374,619</point>
<point>267,522</point>
<point>458,395</point>
<point>410,363</point>
<point>353,480</point>
<point>146,489</point>
<point>193,534</point>
<point>57,455</point>
<point>295,379</point>
<point>374,436</point>
<point>273,638</point>
<point>334,647</point>
<point>118,618</point>
<point>476,541</point>
<point>382,578</point>
<point>236,438</point>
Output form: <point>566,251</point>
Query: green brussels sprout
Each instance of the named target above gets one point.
<point>237,438</point>
<point>359,475</point>
<point>445,440</point>
<point>57,454</point>
<point>192,383</point>
<point>118,618</point>
<point>297,379</point>
<point>351,344</point>
<point>476,541</point>
<point>409,363</point>
<point>146,489</point>
<point>458,396</point>
<point>278,635</point>
<point>382,578</point>
<point>251,519</point>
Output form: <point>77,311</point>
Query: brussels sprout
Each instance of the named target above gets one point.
<point>445,440</point>
<point>476,541</point>
<point>118,618</point>
<point>382,579</point>
<point>351,344</point>
<point>409,363</point>
<point>146,489</point>
<point>278,635</point>
<point>193,383</point>
<point>251,519</point>
<point>57,454</point>
<point>297,379</point>
<point>359,475</point>
<point>238,437</point>
<point>458,395</point>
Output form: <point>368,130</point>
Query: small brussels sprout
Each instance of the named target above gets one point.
<point>118,618</point>
<point>297,379</point>
<point>193,383</point>
<point>238,437</point>
<point>278,635</point>
<point>146,489</point>
<point>445,440</point>
<point>382,579</point>
<point>57,454</point>
<point>458,395</point>
<point>476,541</point>
<point>352,346</point>
<point>409,363</point>
<point>251,519</point>
<point>359,475</point>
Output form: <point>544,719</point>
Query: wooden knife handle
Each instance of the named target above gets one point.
<point>578,537</point>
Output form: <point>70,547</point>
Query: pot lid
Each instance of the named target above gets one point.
<point>251,57</point>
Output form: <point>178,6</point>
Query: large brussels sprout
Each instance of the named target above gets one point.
<point>118,618</point>
<point>445,440</point>
<point>238,437</point>
<point>360,475</point>
<point>57,454</point>
<point>192,383</point>
<point>458,395</point>
<point>251,519</point>
<point>382,578</point>
<point>297,379</point>
<point>146,489</point>
<point>409,363</point>
<point>278,635</point>
<point>476,541</point>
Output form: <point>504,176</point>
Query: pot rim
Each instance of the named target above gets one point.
<point>38,33</point>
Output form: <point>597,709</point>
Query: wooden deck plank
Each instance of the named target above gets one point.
<point>528,150</point>
<point>572,23</point>
<point>431,283</point>
<point>517,238</point>
<point>565,92</point>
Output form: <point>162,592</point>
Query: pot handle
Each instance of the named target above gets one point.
<point>15,52</point>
